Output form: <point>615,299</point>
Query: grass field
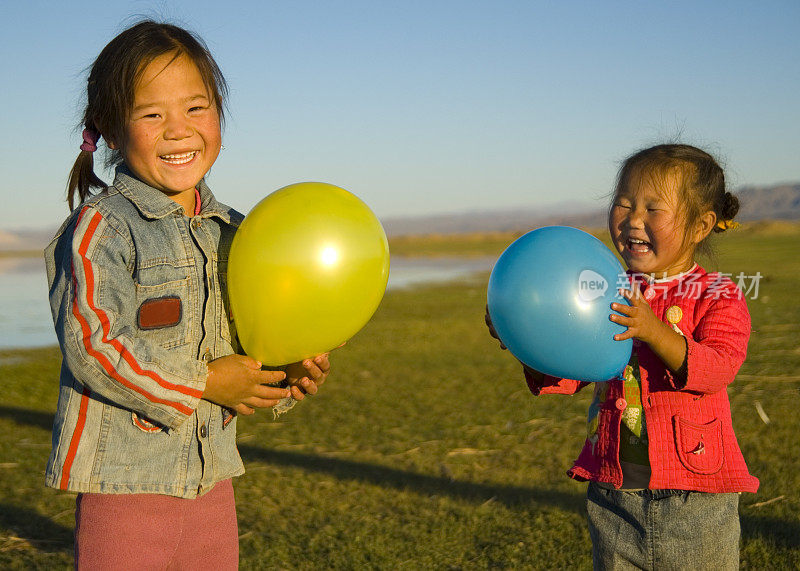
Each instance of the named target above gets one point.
<point>426,451</point>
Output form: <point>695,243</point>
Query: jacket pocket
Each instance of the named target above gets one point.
<point>145,424</point>
<point>699,446</point>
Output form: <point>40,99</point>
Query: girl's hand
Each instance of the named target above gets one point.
<point>642,324</point>
<point>492,332</point>
<point>533,375</point>
<point>305,377</point>
<point>640,320</point>
<point>238,383</point>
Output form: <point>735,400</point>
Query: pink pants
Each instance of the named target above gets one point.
<point>154,531</point>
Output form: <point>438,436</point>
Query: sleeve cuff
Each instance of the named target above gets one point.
<point>547,384</point>
<point>679,378</point>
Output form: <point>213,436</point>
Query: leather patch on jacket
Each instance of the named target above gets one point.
<point>159,312</point>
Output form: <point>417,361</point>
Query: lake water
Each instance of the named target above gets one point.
<point>25,319</point>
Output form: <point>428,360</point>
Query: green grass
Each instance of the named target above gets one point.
<point>478,244</point>
<point>425,449</point>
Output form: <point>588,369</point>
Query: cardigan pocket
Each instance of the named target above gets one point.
<point>699,446</point>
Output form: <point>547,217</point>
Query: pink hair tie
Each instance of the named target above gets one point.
<point>90,138</point>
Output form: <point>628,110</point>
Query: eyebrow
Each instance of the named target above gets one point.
<point>190,99</point>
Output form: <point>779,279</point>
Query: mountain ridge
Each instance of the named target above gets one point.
<point>773,202</point>
<point>769,202</point>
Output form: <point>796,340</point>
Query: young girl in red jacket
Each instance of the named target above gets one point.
<point>663,463</point>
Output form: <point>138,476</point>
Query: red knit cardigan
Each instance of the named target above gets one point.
<point>691,441</point>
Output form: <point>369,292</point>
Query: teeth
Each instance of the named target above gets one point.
<point>179,159</point>
<point>636,245</point>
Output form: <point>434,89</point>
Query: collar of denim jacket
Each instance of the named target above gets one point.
<point>153,203</point>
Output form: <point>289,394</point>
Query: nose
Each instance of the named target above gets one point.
<point>635,218</point>
<point>177,127</point>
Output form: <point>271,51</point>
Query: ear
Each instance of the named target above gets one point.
<point>111,144</point>
<point>705,224</point>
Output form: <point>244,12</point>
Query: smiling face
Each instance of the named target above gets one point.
<point>649,228</point>
<point>172,136</point>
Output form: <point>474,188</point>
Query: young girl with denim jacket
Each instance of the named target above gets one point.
<point>145,429</point>
<point>663,463</point>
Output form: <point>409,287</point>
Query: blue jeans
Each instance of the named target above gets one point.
<point>663,529</point>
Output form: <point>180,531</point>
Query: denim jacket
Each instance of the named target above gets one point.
<point>139,301</point>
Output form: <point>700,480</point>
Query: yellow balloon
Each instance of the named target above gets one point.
<point>307,269</point>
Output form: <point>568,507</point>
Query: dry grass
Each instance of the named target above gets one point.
<point>426,451</point>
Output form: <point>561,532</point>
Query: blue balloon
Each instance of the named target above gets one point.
<point>549,299</point>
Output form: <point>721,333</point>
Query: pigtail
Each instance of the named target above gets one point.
<point>82,178</point>
<point>727,212</point>
<point>730,207</point>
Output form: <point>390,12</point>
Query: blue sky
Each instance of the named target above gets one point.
<point>427,107</point>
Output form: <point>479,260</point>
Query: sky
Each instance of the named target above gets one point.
<point>426,107</point>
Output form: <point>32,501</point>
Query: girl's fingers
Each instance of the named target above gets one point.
<point>633,295</point>
<point>256,402</point>
<point>307,386</point>
<point>243,409</point>
<point>267,377</point>
<point>622,308</point>
<point>623,336</point>
<point>297,394</point>
<point>271,393</point>
<point>622,321</point>
<point>323,362</point>
<point>252,363</point>
<point>492,331</point>
<point>245,361</point>
<point>625,322</point>
<point>312,368</point>
<point>310,386</point>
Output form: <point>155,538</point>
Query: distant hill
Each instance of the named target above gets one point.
<point>580,214</point>
<point>26,239</point>
<point>776,202</point>
<point>780,202</point>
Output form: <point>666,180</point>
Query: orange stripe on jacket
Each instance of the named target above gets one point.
<point>75,440</point>
<point>126,355</point>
